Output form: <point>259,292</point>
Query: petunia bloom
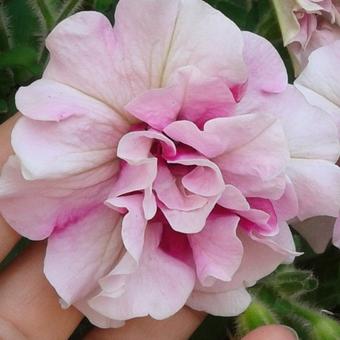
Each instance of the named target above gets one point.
<point>320,84</point>
<point>162,159</point>
<point>307,25</point>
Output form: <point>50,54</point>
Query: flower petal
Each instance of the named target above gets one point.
<point>155,41</point>
<point>317,231</point>
<point>211,142</point>
<point>96,318</point>
<point>232,198</point>
<point>192,221</point>
<point>55,150</point>
<point>216,249</point>
<point>317,81</point>
<point>265,156</point>
<point>134,147</point>
<point>310,132</point>
<point>205,180</point>
<point>172,194</point>
<point>316,186</point>
<point>74,263</point>
<point>266,70</point>
<point>134,222</point>
<point>228,303</point>
<point>163,285</point>
<point>336,233</point>
<point>35,208</point>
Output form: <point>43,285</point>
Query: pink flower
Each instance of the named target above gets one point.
<point>320,84</point>
<point>162,159</point>
<point>307,25</point>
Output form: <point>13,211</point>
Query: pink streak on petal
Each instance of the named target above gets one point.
<point>164,284</point>
<point>217,250</point>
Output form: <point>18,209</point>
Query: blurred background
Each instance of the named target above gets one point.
<point>305,296</point>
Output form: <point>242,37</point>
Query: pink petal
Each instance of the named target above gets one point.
<point>310,134</point>
<point>153,44</point>
<point>286,207</point>
<point>315,183</point>
<point>135,177</point>
<point>157,107</point>
<point>134,147</point>
<point>74,263</point>
<point>266,70</point>
<point>211,28</point>
<point>318,83</point>
<point>55,150</point>
<point>55,203</point>
<point>149,204</point>
<point>134,222</point>
<point>163,285</point>
<point>205,97</point>
<point>217,250</point>
<point>253,186</point>
<point>172,194</point>
<point>317,231</point>
<point>228,303</point>
<point>232,198</point>
<point>96,318</point>
<point>211,142</point>
<point>336,234</point>
<point>265,156</point>
<point>189,222</point>
<point>272,242</point>
<point>205,179</point>
<point>259,260</point>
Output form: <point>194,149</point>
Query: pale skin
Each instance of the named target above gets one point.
<point>29,307</point>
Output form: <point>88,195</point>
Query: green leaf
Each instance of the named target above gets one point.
<point>20,56</point>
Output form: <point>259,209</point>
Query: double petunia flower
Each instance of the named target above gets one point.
<point>162,159</point>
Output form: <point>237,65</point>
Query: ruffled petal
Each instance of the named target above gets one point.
<point>172,194</point>
<point>216,249</point>
<point>134,147</point>
<point>318,83</point>
<point>96,318</point>
<point>228,303</point>
<point>317,231</point>
<point>211,141</point>
<point>192,221</point>
<point>159,287</point>
<point>74,262</point>
<point>134,222</point>
<point>265,157</point>
<point>35,208</point>
<point>57,149</point>
<point>300,125</point>
<point>315,183</point>
<point>164,43</point>
<point>205,180</point>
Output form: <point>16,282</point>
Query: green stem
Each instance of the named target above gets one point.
<point>46,13</point>
<point>69,8</point>
<point>5,34</point>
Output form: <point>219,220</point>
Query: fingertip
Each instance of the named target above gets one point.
<point>272,332</point>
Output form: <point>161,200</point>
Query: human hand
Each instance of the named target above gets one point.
<point>30,309</point>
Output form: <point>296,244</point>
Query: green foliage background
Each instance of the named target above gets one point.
<point>297,296</point>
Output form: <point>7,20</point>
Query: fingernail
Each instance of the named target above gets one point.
<point>292,331</point>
